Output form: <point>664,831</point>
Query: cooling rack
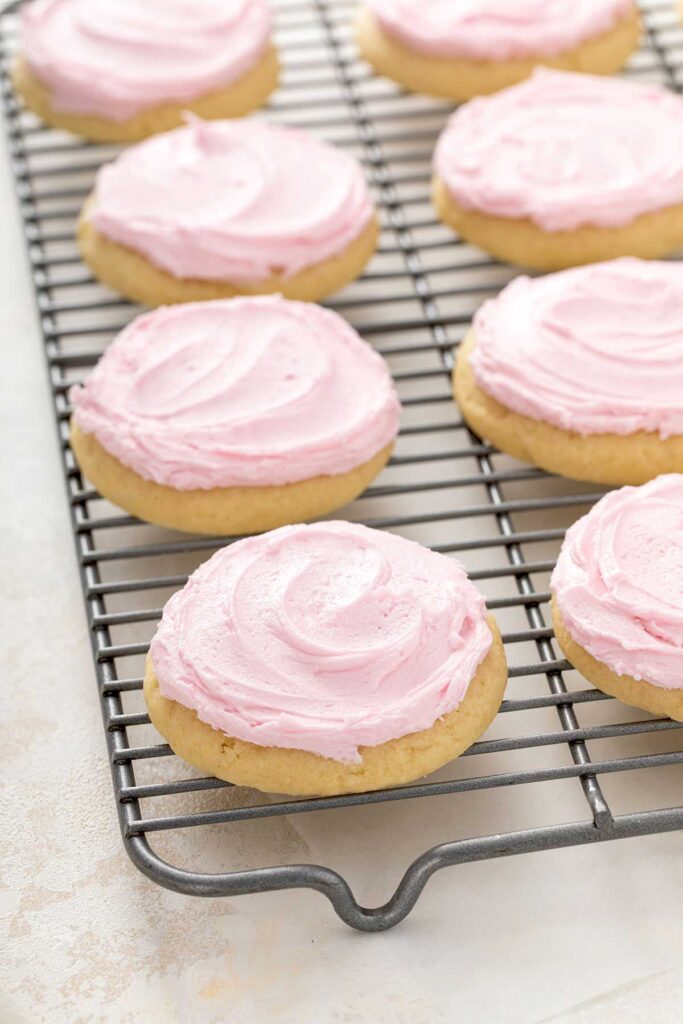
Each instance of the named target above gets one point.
<point>574,766</point>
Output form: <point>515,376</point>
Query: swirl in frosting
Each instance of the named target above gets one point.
<point>236,201</point>
<point>323,638</point>
<point>566,150</point>
<point>115,58</point>
<point>497,29</point>
<point>253,391</point>
<point>618,582</point>
<point>596,350</point>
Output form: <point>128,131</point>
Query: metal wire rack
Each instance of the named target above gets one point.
<point>444,487</point>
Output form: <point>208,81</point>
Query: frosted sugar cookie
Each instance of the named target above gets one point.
<point>221,208</point>
<point>120,70</point>
<point>618,596</point>
<point>324,659</point>
<point>565,169</point>
<point>581,372</point>
<point>463,48</point>
<point>235,417</point>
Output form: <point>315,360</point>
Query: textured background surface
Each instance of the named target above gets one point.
<point>582,935</point>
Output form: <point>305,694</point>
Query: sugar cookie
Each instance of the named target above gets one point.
<point>235,417</point>
<point>581,372</point>
<point>120,70</point>
<point>618,596</point>
<point>565,169</point>
<point>223,208</point>
<point>324,659</point>
<point>463,49</point>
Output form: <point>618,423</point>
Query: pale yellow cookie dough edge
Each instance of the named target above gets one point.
<point>519,240</point>
<point>636,692</point>
<point>613,459</point>
<point>460,79</point>
<point>223,511</point>
<point>247,93</point>
<point>132,275</point>
<point>301,773</point>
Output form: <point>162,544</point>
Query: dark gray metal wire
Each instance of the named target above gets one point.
<point>51,185</point>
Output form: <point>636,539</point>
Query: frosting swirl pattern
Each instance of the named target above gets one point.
<point>253,391</point>
<point>115,58</point>
<point>566,150</point>
<point>618,582</point>
<point>496,29</point>
<point>595,350</point>
<point>322,638</point>
<point>232,200</point>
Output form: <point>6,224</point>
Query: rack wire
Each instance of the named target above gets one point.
<point>554,736</point>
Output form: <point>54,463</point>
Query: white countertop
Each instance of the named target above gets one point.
<point>576,935</point>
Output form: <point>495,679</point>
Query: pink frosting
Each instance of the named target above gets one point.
<point>566,150</point>
<point>114,58</point>
<point>322,638</point>
<point>496,29</point>
<point>618,582</point>
<point>251,391</point>
<point>232,200</point>
<point>595,350</point>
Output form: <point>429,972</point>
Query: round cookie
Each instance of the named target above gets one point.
<point>324,659</point>
<point>120,70</point>
<point>618,596</point>
<point>458,50</point>
<point>581,372</point>
<point>235,417</point>
<point>565,169</point>
<point>223,208</point>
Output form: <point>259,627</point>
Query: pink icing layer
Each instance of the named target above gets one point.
<point>496,29</point>
<point>115,58</point>
<point>232,200</point>
<point>595,350</point>
<point>618,582</point>
<point>250,391</point>
<point>322,638</point>
<point>566,150</point>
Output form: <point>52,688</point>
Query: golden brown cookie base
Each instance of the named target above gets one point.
<point>300,773</point>
<point>135,277</point>
<point>460,80</point>
<point>226,511</point>
<point>649,236</point>
<point>635,692</point>
<point>598,458</point>
<point>247,93</point>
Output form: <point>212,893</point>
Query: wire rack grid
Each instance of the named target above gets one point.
<point>558,749</point>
